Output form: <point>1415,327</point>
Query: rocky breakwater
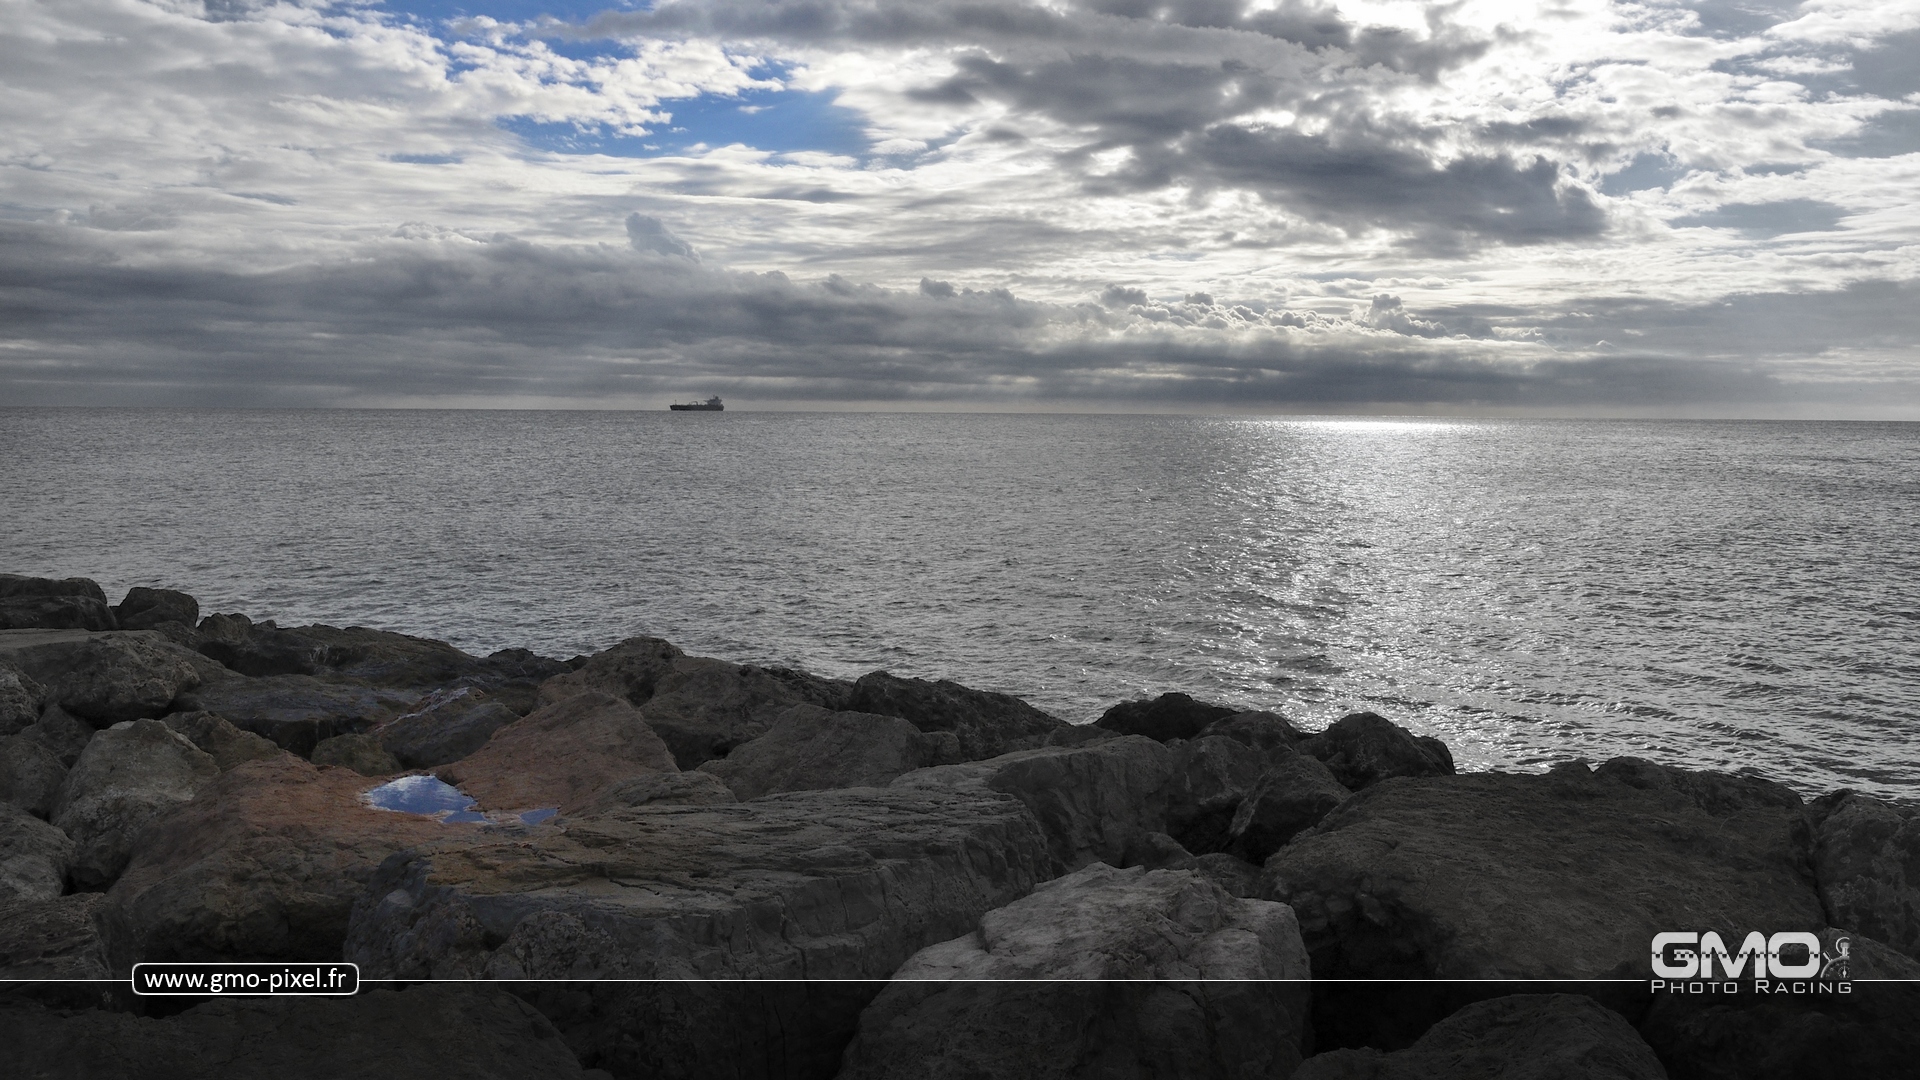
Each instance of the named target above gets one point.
<point>818,868</point>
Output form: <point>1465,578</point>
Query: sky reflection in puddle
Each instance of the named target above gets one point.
<point>430,796</point>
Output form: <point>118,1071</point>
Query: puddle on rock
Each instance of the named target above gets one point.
<point>430,796</point>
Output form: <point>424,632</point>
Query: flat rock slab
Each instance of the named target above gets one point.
<point>810,748</point>
<point>422,1031</point>
<point>295,712</point>
<point>264,864</point>
<point>1524,876</point>
<point>1521,1037</point>
<point>563,756</point>
<point>1220,992</point>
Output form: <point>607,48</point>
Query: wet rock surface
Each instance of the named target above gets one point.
<point>810,748</point>
<point>1172,927</point>
<point>129,775</point>
<point>563,756</point>
<point>987,724</point>
<point>1558,1036</point>
<point>462,1031</point>
<point>1525,876</point>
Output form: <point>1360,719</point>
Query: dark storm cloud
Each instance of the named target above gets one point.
<point>503,319</point>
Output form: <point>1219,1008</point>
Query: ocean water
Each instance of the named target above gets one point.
<point>1729,595</point>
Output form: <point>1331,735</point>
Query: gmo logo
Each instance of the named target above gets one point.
<point>1790,962</point>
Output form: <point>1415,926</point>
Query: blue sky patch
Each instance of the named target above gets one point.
<point>777,120</point>
<point>516,11</point>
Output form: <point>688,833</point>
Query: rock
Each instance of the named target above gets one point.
<point>987,724</point>
<point>361,753</point>
<point>1874,1030</point>
<point>1866,857</point>
<point>30,774</point>
<point>56,612</point>
<point>1237,876</point>
<point>226,744</point>
<point>665,789</point>
<point>1166,927</point>
<point>145,609</point>
<point>296,712</point>
<point>1524,876</point>
<point>562,756</point>
<point>1165,718</point>
<point>809,747</point>
<point>1715,793</point>
<point>1092,800</point>
<point>825,885</point>
<point>1365,748</point>
<point>17,586</point>
<point>107,678</point>
<point>1288,798</point>
<point>1076,734</point>
<point>21,699</point>
<point>629,670</point>
<point>1268,732</point>
<point>62,733</point>
<point>52,938</point>
<point>130,774</point>
<point>444,728</point>
<point>483,1033</point>
<point>232,640</point>
<point>1211,777</point>
<point>264,864</point>
<point>704,708</point>
<point>374,657</point>
<point>1523,1037</point>
<point>1156,851</point>
<point>34,857</point>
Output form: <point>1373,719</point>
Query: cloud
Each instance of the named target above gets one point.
<point>649,235</point>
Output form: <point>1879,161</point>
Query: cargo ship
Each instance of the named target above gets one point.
<point>712,404</point>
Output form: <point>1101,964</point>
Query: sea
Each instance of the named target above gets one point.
<point>1727,595</point>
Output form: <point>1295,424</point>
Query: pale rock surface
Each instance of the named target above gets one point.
<point>129,775</point>
<point>563,756</point>
<point>226,744</point>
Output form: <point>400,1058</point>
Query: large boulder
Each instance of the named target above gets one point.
<point>147,609</point>
<point>21,699</point>
<point>56,937</point>
<point>1165,718</point>
<point>264,864</point>
<point>809,747</point>
<point>34,857</point>
<point>1211,777</point>
<point>62,733</point>
<point>130,774</point>
<point>18,586</point>
<point>1521,1037</point>
<point>987,724</point>
<point>444,727</point>
<point>63,603</point>
<point>704,708</point>
<point>375,657</point>
<point>1362,749</point>
<point>1094,800</point>
<point>1866,857</point>
<point>107,678</point>
<point>466,1031</point>
<point>226,744</point>
<point>361,753</point>
<point>1567,875</point>
<point>629,670</point>
<point>1715,793</point>
<point>820,885</point>
<point>295,712</point>
<point>1268,732</point>
<point>1105,973</point>
<point>1289,797</point>
<point>30,773</point>
<point>563,756</point>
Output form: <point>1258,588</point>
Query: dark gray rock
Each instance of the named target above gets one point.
<point>107,678</point>
<point>1715,793</point>
<point>56,613</point>
<point>466,1031</point>
<point>1268,732</point>
<point>1289,798</point>
<point>21,699</point>
<point>974,1007</point>
<point>1092,800</point>
<point>374,657</point>
<point>63,733</point>
<point>810,748</point>
<point>1237,876</point>
<point>145,609</point>
<point>694,788</point>
<point>1156,851</point>
<point>1165,718</point>
<point>1362,749</point>
<point>562,757</point>
<point>443,728</point>
<point>34,857</point>
<point>295,712</point>
<point>1211,778</point>
<point>1522,1037</point>
<point>226,744</point>
<point>703,708</point>
<point>629,671</point>
<point>1866,858</point>
<point>52,938</point>
<point>1524,876</point>
<point>17,586</point>
<point>361,753</point>
<point>130,774</point>
<point>30,774</point>
<point>987,724</point>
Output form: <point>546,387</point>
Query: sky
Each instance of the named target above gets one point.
<point>1566,207</point>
